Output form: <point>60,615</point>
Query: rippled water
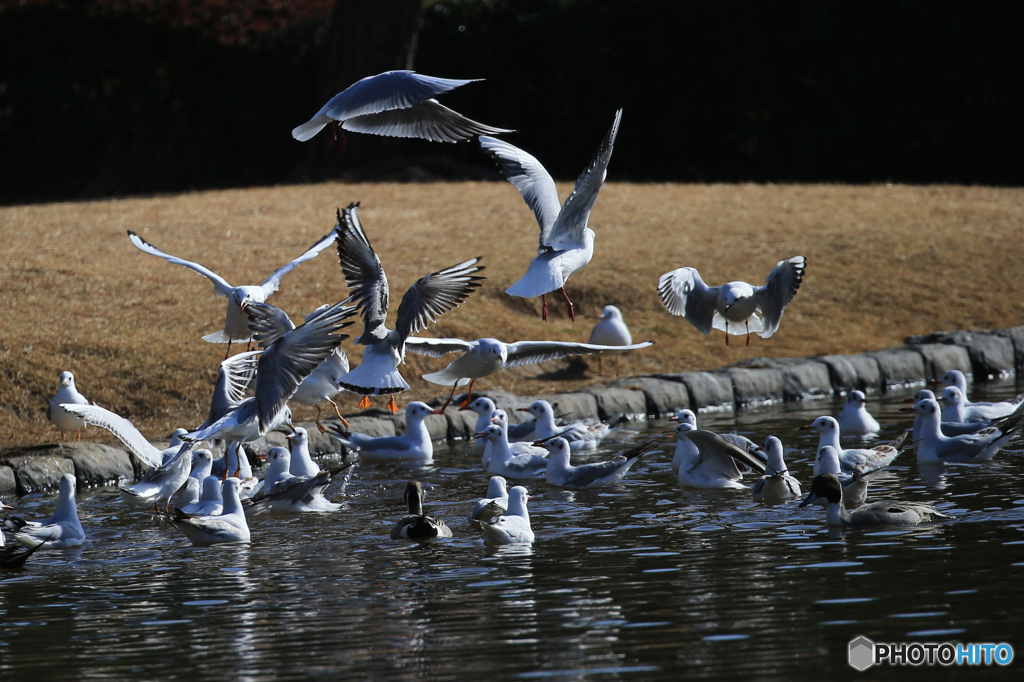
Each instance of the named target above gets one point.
<point>643,580</point>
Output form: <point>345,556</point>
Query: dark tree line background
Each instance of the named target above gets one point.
<point>97,100</point>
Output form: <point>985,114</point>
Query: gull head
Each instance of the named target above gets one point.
<point>610,312</point>
<point>494,348</point>
<point>927,407</point>
<point>67,485</point>
<point>491,433</point>
<point>685,416</point>
<point>856,398</point>
<point>499,417</point>
<point>952,395</point>
<point>481,406</point>
<point>539,408</point>
<point>496,487</point>
<point>419,410</point>
<point>772,447</point>
<point>201,456</point>
<point>243,296</point>
<point>953,378</point>
<point>559,449</point>
<point>823,425</point>
<point>923,394</point>
<point>67,379</point>
<point>298,437</point>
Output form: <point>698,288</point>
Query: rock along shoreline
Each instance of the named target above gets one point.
<point>983,355</point>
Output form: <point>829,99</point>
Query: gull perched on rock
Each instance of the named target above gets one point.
<point>417,526</point>
<point>269,323</point>
<point>484,357</point>
<point>684,293</point>
<point>610,330</point>
<point>395,104</point>
<point>587,476</point>
<point>229,526</point>
<point>287,358</point>
<point>58,416</point>
<point>513,527</point>
<point>566,243</point>
<point>855,420</point>
<point>852,458</point>
<point>236,326</point>
<point>60,531</point>
<point>428,299</point>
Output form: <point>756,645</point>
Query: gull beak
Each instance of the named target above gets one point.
<point>810,498</point>
<point>479,435</point>
<point>910,400</point>
<point>437,412</point>
<point>906,409</point>
<point>290,436</point>
<point>262,457</point>
<point>291,426</point>
<point>805,427</point>
<point>465,409</point>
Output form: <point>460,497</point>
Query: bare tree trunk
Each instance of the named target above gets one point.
<point>367,37</point>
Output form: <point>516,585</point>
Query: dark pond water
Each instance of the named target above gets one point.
<point>640,581</point>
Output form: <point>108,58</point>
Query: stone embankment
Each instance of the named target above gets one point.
<point>985,355</point>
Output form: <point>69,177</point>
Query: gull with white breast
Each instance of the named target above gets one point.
<point>579,435</point>
<point>852,458</point>
<point>229,527</point>
<point>493,505</point>
<point>934,447</point>
<point>60,531</point>
<point>514,526</point>
<point>503,462</point>
<point>424,302</point>
<point>775,485</point>
<point>236,326</point>
<point>955,408</point>
<point>684,293</point>
<point>61,418</point>
<point>994,410</point>
<point>413,446</point>
<point>566,243</point>
<point>588,476</point>
<point>855,420</point>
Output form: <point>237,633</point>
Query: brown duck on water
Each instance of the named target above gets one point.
<point>417,526</point>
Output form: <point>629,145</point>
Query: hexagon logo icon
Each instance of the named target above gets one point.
<point>862,654</point>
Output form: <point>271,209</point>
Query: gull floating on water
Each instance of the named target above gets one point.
<point>579,435</point>
<point>210,502</point>
<point>228,527</point>
<point>202,465</point>
<point>566,243</point>
<point>955,408</point>
<point>855,483</point>
<point>60,531</point>
<point>587,476</point>
<point>1002,408</point>
<point>428,299</point>
<point>852,458</point>
<point>973,447</point>
<point>484,357</point>
<point>236,326</point>
<point>883,513</point>
<point>287,358</point>
<point>58,416</point>
<point>687,450</point>
<point>855,420</point>
<point>493,505</point>
<point>302,463</point>
<point>775,485</point>
<point>713,461</point>
<point>417,526</point>
<point>287,492</point>
<point>395,104</point>
<point>514,526</point>
<point>504,462</point>
<point>414,446</point>
<point>684,293</point>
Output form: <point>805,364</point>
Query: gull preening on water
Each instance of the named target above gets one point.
<point>417,526</point>
<point>425,301</point>
<point>566,243</point>
<point>855,420</point>
<point>58,416</point>
<point>287,492</point>
<point>684,293</point>
<point>610,330</point>
<point>236,326</point>
<point>883,513</point>
<point>288,357</point>
<point>484,357</point>
<point>687,450</point>
<point>60,531</point>
<point>714,461</point>
<point>514,526</point>
<point>395,104</point>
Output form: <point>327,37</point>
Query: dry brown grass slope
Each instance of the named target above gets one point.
<point>883,262</point>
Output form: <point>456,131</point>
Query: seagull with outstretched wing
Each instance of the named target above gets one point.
<point>566,243</point>
<point>428,299</point>
<point>395,104</point>
<point>236,326</point>
<point>484,357</point>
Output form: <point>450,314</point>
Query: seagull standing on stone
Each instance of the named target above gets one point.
<point>236,326</point>
<point>58,416</point>
<point>684,293</point>
<point>395,104</point>
<point>430,297</point>
<point>484,357</point>
<point>610,330</point>
<point>566,243</point>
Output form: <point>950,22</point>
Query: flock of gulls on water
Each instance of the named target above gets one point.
<point>306,364</point>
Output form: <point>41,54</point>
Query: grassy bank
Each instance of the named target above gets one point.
<point>883,262</point>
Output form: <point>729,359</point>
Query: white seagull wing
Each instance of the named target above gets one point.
<point>120,427</point>
<point>567,232</point>
<point>778,291</point>
<point>220,285</point>
<point>435,294</point>
<point>532,352</point>
<point>436,348</point>
<point>529,177</point>
<point>684,293</point>
<point>274,281</point>
<point>428,120</point>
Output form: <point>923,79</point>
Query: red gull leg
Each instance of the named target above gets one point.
<point>334,135</point>
<point>452,395</point>
<point>470,395</point>
<point>727,332</point>
<point>600,372</point>
<point>365,402</point>
<point>544,308</point>
<point>572,312</point>
<point>343,420</point>
<point>344,141</point>
<point>228,354</point>
<point>748,331</point>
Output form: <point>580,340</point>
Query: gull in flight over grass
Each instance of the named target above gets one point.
<point>566,243</point>
<point>236,326</point>
<point>428,299</point>
<point>484,357</point>
<point>684,293</point>
<point>395,104</point>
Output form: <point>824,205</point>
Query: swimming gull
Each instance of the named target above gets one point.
<point>228,527</point>
<point>514,526</point>
<point>587,476</point>
<point>855,420</point>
